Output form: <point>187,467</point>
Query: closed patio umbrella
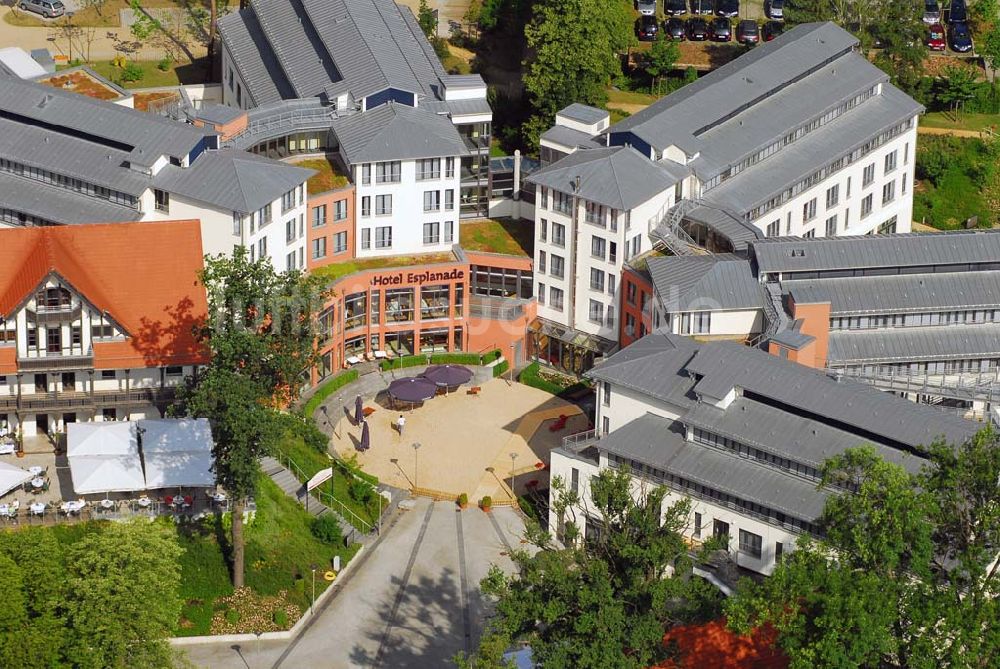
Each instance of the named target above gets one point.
<point>448,375</point>
<point>365,438</point>
<point>359,414</point>
<point>413,389</point>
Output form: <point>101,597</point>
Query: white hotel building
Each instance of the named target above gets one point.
<point>802,136</point>
<point>742,433</point>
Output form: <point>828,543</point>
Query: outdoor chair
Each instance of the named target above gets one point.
<point>474,390</point>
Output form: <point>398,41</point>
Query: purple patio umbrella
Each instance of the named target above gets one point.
<point>448,375</point>
<point>413,389</point>
<point>359,414</point>
<point>365,438</point>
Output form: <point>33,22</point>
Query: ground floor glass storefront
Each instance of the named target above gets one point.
<point>564,349</point>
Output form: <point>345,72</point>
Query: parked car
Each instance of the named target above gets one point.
<point>959,37</point>
<point>747,32</point>
<point>675,7</point>
<point>727,8</point>
<point>932,12</point>
<point>646,28</point>
<point>775,9</point>
<point>721,30</point>
<point>958,12</point>
<point>771,30</point>
<point>935,38</point>
<point>674,29</point>
<point>50,9</point>
<point>701,7</point>
<point>697,30</point>
<point>646,7</point>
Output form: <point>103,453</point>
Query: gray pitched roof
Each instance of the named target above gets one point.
<point>243,36</point>
<point>397,132</point>
<point>58,205</point>
<point>899,293</point>
<point>729,225</point>
<point>657,442</point>
<point>737,86</point>
<point>878,251</point>
<point>691,283</point>
<point>233,180</point>
<point>560,134</point>
<point>583,113</point>
<point>216,114</point>
<point>653,366</point>
<point>618,177</point>
<point>910,344</point>
<point>860,408</point>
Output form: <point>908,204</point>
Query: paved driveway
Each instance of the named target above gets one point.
<point>412,602</point>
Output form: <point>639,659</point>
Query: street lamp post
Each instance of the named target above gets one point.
<point>312,602</point>
<point>69,33</point>
<point>416,447</point>
<point>513,456</point>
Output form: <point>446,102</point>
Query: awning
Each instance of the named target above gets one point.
<point>104,457</point>
<point>177,453</point>
<point>11,477</point>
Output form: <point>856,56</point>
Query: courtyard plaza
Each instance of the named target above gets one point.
<point>466,440</point>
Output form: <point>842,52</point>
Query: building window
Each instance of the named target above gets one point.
<point>383,237</point>
<point>432,233</point>
<point>541,262</point>
<point>869,176</point>
<point>340,242</point>
<point>720,529</point>
<point>428,168</point>
<point>238,224</point>
<point>831,226</point>
<point>543,229</point>
<point>366,206</point>
<point>598,247</point>
<point>809,210</point>
<point>388,172</point>
<point>355,310</point>
<point>175,370</point>
<point>383,205</point>
<point>888,192</point>
<point>774,228</point>
<point>574,481</point>
<point>612,281</point>
<point>848,194</point>
<point>832,196</point>
<point>264,215</point>
<point>449,200</point>
<point>866,205</point>
<point>319,248</point>
<point>596,280</point>
<point>435,301</point>
<point>290,261</point>
<point>902,185</point>
<point>262,248</point>
<point>697,525</point>
<point>606,393</point>
<point>809,234</point>
<point>339,210</point>
<point>366,174</point>
<point>432,200</point>
<point>161,200</point>
<point>906,153</point>
<point>779,550</point>
<point>290,230</point>
<point>610,322</point>
<point>449,168</point>
<point>288,201</point>
<point>696,322</point>
<point>366,238</point>
<point>562,202</point>
<point>319,216</point>
<point>541,293</point>
<point>558,266</point>
<point>399,305</point>
<point>751,543</point>
<point>630,293</point>
<point>559,234</point>
<point>449,231</point>
<point>890,162</point>
<point>605,424</point>
<point>612,252</point>
<point>594,213</point>
<point>96,332</point>
<point>108,374</point>
<point>596,312</point>
<point>545,197</point>
<point>888,227</point>
<point>556,298</point>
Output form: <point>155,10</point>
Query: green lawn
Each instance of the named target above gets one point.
<point>337,270</point>
<point>500,235</point>
<point>963,121</point>
<point>630,97</point>
<point>951,173</point>
<point>328,177</point>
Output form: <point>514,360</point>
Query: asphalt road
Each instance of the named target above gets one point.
<point>412,602</point>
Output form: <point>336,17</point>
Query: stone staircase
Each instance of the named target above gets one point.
<point>291,486</point>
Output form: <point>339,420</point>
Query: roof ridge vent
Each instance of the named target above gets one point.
<point>44,102</point>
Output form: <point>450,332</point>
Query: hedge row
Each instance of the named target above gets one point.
<point>328,388</point>
<point>530,377</point>
<point>455,359</point>
<point>352,470</point>
<point>439,359</point>
<point>500,368</point>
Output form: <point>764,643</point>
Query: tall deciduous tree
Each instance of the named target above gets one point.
<point>122,596</point>
<point>905,575</point>
<point>604,602</point>
<point>575,47</point>
<point>662,57</point>
<point>261,335</point>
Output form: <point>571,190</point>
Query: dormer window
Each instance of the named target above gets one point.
<point>53,299</point>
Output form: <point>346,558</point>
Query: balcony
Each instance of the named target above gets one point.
<point>479,144</point>
<point>70,400</point>
<point>60,314</point>
<point>496,308</point>
<point>56,363</point>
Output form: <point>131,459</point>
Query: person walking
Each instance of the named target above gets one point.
<point>400,423</point>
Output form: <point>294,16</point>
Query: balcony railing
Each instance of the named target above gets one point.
<point>496,308</point>
<point>85,400</point>
<point>55,363</point>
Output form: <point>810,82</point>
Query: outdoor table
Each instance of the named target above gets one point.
<point>353,360</point>
<point>37,482</point>
<point>6,448</point>
<point>144,502</point>
<point>219,498</point>
<point>71,507</point>
<point>5,509</point>
<point>37,508</point>
<point>107,504</point>
<point>35,470</point>
<point>379,355</point>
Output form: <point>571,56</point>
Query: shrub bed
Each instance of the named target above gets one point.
<point>533,376</point>
<point>329,387</point>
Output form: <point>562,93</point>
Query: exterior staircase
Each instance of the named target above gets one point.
<point>291,486</point>
<point>665,231</point>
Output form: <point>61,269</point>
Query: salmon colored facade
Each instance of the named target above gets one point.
<point>812,320</point>
<point>636,307</point>
<point>435,307</point>
<point>330,224</point>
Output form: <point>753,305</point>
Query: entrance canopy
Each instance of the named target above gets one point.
<point>104,457</point>
<point>177,453</point>
<point>11,477</point>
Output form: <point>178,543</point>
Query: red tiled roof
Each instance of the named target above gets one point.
<point>144,275</point>
<point>713,645</point>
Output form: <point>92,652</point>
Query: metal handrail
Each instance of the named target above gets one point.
<point>300,474</point>
<point>586,435</point>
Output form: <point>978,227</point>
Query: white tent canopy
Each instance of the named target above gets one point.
<point>177,453</point>
<point>11,477</point>
<point>104,457</point>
